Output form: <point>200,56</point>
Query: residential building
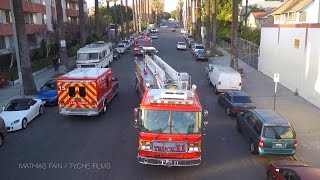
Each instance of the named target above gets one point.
<point>298,12</point>
<point>256,19</point>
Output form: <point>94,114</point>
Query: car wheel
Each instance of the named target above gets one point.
<point>253,148</point>
<point>269,176</point>
<point>238,127</point>
<point>41,110</point>
<point>219,101</point>
<point>229,112</point>
<point>216,90</point>
<point>1,139</point>
<point>24,123</point>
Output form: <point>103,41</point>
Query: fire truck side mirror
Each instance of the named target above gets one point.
<point>114,79</point>
<point>136,114</point>
<point>205,119</point>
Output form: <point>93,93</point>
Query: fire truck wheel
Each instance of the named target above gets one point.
<point>104,110</point>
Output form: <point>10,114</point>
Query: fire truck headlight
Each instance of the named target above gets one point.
<point>145,145</point>
<point>194,147</point>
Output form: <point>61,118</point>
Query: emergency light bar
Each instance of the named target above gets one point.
<point>170,101</point>
<point>174,95</point>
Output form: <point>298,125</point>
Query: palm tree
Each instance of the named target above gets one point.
<point>214,26</point>
<point>108,22</point>
<point>96,15</point>
<point>234,35</point>
<point>134,13</point>
<point>62,39</point>
<point>198,20</point>
<point>121,20</point>
<point>127,21</point>
<point>29,86</point>
<point>208,28</point>
<point>139,15</point>
<point>246,14</point>
<point>115,21</point>
<point>82,24</point>
<point>148,10</point>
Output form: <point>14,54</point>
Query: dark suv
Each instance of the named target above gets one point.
<point>267,131</point>
<point>3,131</point>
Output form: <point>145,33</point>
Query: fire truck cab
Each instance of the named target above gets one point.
<point>86,91</point>
<point>141,42</point>
<point>170,119</point>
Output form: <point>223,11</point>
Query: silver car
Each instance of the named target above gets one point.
<point>121,48</point>
<point>3,131</point>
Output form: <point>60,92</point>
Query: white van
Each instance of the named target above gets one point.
<point>223,78</point>
<point>98,55</point>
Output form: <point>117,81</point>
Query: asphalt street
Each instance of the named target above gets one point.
<point>105,147</point>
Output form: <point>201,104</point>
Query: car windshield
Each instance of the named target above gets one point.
<point>171,122</point>
<point>199,47</point>
<point>278,132</point>
<point>182,43</point>
<point>17,106</point>
<point>49,86</point>
<point>120,45</point>
<point>241,99</point>
<point>200,52</point>
<point>87,56</point>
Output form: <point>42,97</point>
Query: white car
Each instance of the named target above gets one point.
<point>181,46</point>
<point>121,48</point>
<point>154,30</point>
<point>19,112</point>
<point>154,36</point>
<point>183,31</point>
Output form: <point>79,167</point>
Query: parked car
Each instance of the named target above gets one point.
<point>48,93</point>
<point>223,78</point>
<point>127,43</point>
<point>187,36</point>
<point>190,42</point>
<point>121,48</point>
<point>201,55</point>
<point>181,46</point>
<point>267,132</point>
<point>155,30</point>
<point>293,170</point>
<point>154,36</point>
<point>183,31</point>
<point>3,81</point>
<point>197,47</point>
<point>173,30</point>
<point>19,112</point>
<point>116,54</point>
<point>235,102</point>
<point>3,131</point>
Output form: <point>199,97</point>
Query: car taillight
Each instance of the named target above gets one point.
<point>136,49</point>
<point>295,143</point>
<point>261,143</point>
<point>236,108</point>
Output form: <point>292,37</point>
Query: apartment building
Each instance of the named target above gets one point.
<point>40,18</point>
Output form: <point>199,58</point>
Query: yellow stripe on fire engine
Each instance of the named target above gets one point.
<point>93,90</point>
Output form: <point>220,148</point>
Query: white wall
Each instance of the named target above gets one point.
<point>299,68</point>
<point>312,12</point>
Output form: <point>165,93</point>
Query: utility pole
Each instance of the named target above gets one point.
<point>16,49</point>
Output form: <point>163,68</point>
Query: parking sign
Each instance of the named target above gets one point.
<point>276,77</point>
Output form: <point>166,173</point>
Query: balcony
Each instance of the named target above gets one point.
<point>72,27</point>
<point>72,13</point>
<point>5,4</point>
<point>33,7</point>
<point>36,28</point>
<point>6,30</point>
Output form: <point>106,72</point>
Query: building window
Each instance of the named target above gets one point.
<point>44,19</point>
<point>31,18</point>
<point>292,16</point>
<point>8,17</point>
<point>5,17</point>
<point>2,42</point>
<point>303,16</point>
<point>277,17</point>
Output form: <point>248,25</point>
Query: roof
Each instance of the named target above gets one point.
<point>226,69</point>
<point>291,6</point>
<point>85,73</point>
<point>95,46</point>
<point>21,100</point>
<point>270,117</point>
<point>237,93</point>
<point>260,14</point>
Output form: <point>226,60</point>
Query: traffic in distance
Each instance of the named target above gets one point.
<point>170,120</point>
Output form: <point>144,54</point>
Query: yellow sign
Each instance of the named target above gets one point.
<point>296,43</point>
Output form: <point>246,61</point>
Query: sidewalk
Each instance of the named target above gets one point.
<point>304,116</point>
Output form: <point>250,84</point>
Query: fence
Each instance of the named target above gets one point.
<point>248,52</point>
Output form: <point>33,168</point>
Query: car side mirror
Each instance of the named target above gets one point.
<point>3,108</point>
<point>41,88</point>
<point>205,120</point>
<point>136,114</point>
<point>114,79</point>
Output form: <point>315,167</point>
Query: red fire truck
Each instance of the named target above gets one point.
<point>86,91</point>
<point>170,118</point>
<point>140,42</point>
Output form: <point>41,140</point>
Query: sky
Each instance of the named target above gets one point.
<point>169,5</point>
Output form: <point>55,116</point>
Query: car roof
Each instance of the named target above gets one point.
<point>181,42</point>
<point>237,93</point>
<point>21,100</point>
<point>270,117</point>
<point>121,44</point>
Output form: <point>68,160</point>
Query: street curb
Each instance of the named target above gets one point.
<point>35,73</point>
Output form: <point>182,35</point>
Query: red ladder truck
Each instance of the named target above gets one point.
<point>170,119</point>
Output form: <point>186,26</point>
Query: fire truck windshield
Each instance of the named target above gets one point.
<point>171,122</point>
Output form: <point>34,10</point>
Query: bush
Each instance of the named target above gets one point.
<point>250,35</point>
<point>73,50</point>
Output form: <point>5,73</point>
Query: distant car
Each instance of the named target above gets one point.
<point>48,93</point>
<point>181,46</point>
<point>293,170</point>
<point>267,132</point>
<point>3,131</point>
<point>190,43</point>
<point>183,31</point>
<point>19,112</point>
<point>116,54</point>
<point>127,43</point>
<point>196,48</point>
<point>201,55</point>
<point>173,30</point>
<point>235,102</point>
<point>121,48</point>
<point>163,26</point>
<point>155,30</point>
<point>3,81</point>
<point>154,36</point>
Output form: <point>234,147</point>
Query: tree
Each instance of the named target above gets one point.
<point>121,20</point>
<point>82,24</point>
<point>29,86</point>
<point>166,15</point>
<point>96,14</point>
<point>198,20</point>
<point>127,21</point>
<point>134,12</point>
<point>62,39</point>
<point>173,14</point>
<point>108,23</point>
<point>208,24</point>
<point>115,21</point>
<point>234,35</point>
<point>214,26</point>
